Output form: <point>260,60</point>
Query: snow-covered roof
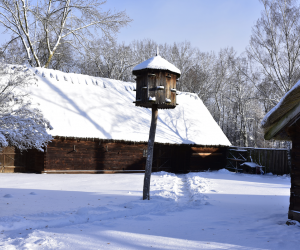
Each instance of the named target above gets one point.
<point>84,106</point>
<point>157,62</point>
<point>286,110</point>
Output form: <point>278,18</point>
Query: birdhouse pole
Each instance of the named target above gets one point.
<point>148,168</point>
<point>155,89</point>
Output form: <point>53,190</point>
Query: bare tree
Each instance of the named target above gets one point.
<point>57,22</point>
<point>109,59</point>
<point>275,46</point>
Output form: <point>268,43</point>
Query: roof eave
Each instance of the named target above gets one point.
<point>134,72</point>
<point>279,127</point>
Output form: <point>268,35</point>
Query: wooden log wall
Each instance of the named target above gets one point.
<point>294,210</point>
<point>94,155</point>
<point>98,156</point>
<point>73,155</point>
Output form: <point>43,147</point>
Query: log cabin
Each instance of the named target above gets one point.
<point>283,123</point>
<point>98,129</point>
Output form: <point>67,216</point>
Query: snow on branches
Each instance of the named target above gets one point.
<point>21,124</point>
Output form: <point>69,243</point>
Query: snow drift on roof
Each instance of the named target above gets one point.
<point>286,103</point>
<point>85,106</point>
<point>157,62</point>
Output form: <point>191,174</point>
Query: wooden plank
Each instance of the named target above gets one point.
<point>284,161</point>
<point>272,161</point>
<point>266,159</point>
<point>283,153</point>
<point>277,162</point>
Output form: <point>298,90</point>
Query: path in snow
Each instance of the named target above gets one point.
<point>182,190</point>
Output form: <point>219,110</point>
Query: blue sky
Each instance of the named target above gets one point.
<point>207,24</point>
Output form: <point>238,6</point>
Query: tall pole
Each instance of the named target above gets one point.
<point>148,169</point>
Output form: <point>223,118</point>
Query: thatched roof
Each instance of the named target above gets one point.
<point>92,107</point>
<point>286,112</point>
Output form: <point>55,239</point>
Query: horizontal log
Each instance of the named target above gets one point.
<point>63,164</point>
<point>51,171</point>
<point>96,160</point>
<point>95,151</point>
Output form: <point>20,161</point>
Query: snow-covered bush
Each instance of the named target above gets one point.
<point>21,124</point>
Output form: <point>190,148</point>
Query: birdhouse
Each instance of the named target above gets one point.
<point>156,89</point>
<point>156,83</point>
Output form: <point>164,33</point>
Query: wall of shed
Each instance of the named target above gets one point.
<point>93,155</point>
<point>294,209</point>
<point>103,156</point>
<point>107,156</point>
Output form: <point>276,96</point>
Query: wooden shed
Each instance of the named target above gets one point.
<point>98,129</point>
<point>283,123</point>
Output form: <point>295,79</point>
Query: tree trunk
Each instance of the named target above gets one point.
<point>148,169</point>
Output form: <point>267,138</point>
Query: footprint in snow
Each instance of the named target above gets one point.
<point>32,193</point>
<point>8,196</point>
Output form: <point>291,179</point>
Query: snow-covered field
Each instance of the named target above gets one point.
<point>209,210</point>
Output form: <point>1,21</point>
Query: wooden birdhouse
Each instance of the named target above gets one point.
<point>156,83</point>
<point>156,89</point>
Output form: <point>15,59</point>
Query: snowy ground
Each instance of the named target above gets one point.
<point>210,210</point>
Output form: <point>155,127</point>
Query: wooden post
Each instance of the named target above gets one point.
<point>148,169</point>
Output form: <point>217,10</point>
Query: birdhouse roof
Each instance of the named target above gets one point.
<point>157,62</point>
<point>84,106</point>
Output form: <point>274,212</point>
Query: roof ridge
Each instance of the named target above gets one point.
<point>85,79</point>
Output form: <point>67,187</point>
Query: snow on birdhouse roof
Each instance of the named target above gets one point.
<point>92,107</point>
<point>282,114</point>
<point>157,62</point>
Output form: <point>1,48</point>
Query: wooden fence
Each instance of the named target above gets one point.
<point>274,160</point>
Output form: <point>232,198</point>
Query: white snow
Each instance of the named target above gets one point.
<point>157,62</point>
<point>280,103</point>
<point>250,164</point>
<point>152,98</point>
<point>94,107</point>
<point>208,210</point>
